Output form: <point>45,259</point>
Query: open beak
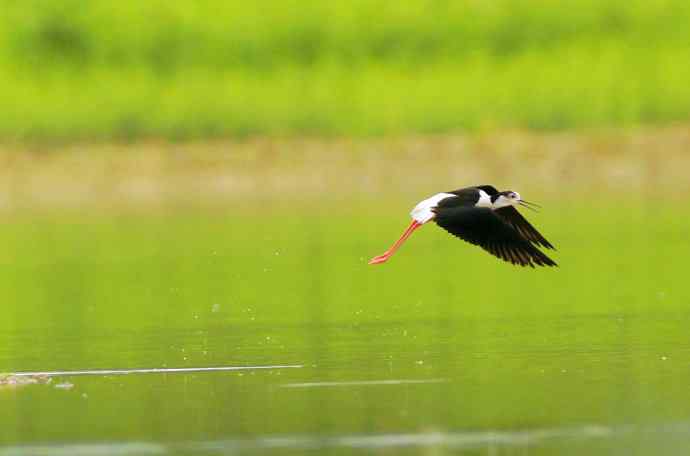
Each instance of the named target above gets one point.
<point>532,206</point>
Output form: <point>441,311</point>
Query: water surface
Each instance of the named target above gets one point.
<point>444,350</point>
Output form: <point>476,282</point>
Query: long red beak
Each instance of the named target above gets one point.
<point>388,253</point>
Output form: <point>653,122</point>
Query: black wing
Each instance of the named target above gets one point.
<point>489,189</point>
<point>482,227</point>
<point>511,216</point>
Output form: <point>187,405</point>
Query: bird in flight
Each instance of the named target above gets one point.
<point>485,217</point>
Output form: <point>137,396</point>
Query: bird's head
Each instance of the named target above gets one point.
<point>511,198</point>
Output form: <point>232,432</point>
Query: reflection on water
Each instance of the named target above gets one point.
<point>565,439</point>
<point>356,391</point>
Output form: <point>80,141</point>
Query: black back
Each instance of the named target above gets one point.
<point>463,197</point>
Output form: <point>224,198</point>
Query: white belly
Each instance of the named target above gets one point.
<point>422,211</point>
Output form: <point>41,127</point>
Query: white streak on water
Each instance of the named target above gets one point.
<point>173,370</point>
<point>364,383</point>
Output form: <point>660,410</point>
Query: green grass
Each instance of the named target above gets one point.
<point>85,70</point>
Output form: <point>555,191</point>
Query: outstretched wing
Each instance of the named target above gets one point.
<point>482,227</point>
<point>511,216</point>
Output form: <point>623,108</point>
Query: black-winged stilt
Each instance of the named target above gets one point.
<point>485,217</point>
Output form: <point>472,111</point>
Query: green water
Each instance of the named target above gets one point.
<point>442,350</point>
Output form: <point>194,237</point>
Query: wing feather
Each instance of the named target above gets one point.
<point>510,215</point>
<point>483,228</point>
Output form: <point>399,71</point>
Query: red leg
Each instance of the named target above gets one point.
<point>388,253</point>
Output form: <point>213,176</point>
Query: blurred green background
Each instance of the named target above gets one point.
<point>101,69</point>
<point>197,183</point>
